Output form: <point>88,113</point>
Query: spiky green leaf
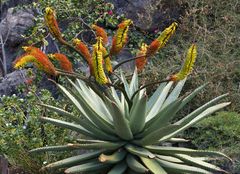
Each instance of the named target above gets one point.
<point>153,166</point>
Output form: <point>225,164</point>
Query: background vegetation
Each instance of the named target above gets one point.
<point>213,24</point>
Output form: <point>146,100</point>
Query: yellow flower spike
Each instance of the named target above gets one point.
<point>188,64</point>
<point>41,64</point>
<point>107,61</point>
<point>64,62</point>
<point>120,38</point>
<point>100,32</point>
<point>161,41</point>
<point>97,57</point>
<point>140,62</point>
<point>167,33</point>
<point>52,24</point>
<point>23,60</point>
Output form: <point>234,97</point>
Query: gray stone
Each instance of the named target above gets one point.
<point>15,24</point>
<point>9,84</point>
<point>6,4</point>
<point>150,15</point>
<point>12,27</point>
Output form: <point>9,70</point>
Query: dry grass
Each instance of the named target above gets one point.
<point>214,26</point>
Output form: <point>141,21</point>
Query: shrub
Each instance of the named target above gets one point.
<point>21,130</point>
<point>219,132</point>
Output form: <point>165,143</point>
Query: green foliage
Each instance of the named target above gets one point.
<point>77,15</point>
<point>21,129</point>
<point>221,131</point>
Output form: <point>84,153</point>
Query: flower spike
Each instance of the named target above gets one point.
<point>188,64</point>
<point>64,62</point>
<point>120,38</point>
<point>23,60</point>
<point>101,33</point>
<point>40,63</point>
<point>83,49</point>
<point>52,24</point>
<point>161,40</point>
<point>97,56</point>
<point>107,61</point>
<point>140,62</point>
<point>44,63</point>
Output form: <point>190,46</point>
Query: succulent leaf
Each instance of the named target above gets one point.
<point>173,168</point>
<point>87,167</point>
<point>135,165</point>
<point>153,166</point>
<point>121,124</point>
<point>139,151</point>
<point>113,158</point>
<point>119,168</point>
<point>159,102</point>
<point>138,114</point>
<point>71,161</point>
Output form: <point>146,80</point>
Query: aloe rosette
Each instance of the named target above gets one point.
<point>129,136</point>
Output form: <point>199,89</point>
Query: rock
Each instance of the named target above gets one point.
<point>11,3</point>
<point>150,15</point>
<point>15,24</point>
<point>128,67</point>
<point>9,84</point>
<point>12,27</point>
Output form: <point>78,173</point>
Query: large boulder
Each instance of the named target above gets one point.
<point>150,15</point>
<point>5,5</point>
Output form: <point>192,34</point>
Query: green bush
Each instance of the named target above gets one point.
<point>220,132</point>
<point>21,130</point>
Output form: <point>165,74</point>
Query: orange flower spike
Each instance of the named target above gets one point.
<point>101,33</point>
<point>120,38</point>
<point>97,56</point>
<point>52,24</point>
<point>64,62</point>
<point>107,61</point>
<point>153,48</point>
<point>141,62</point>
<point>27,58</point>
<point>161,40</point>
<point>83,49</point>
<point>42,59</point>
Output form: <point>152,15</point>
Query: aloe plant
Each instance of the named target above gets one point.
<point>129,136</point>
